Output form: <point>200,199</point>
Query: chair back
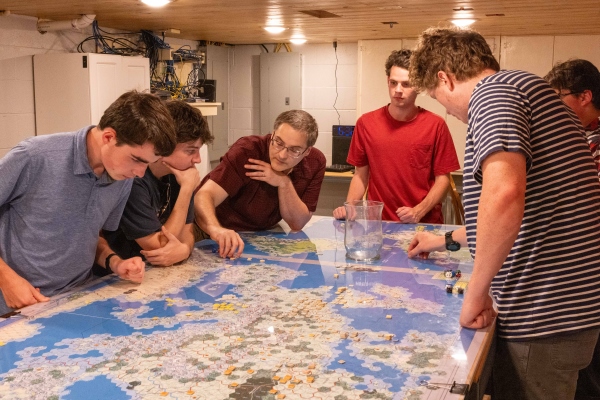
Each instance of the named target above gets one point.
<point>459,211</point>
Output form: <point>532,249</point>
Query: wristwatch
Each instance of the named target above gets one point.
<point>451,244</point>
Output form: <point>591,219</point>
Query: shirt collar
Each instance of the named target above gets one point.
<point>81,163</point>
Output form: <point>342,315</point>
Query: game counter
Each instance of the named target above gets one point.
<point>290,319</point>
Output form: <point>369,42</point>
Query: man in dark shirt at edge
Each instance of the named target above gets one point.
<point>157,222</point>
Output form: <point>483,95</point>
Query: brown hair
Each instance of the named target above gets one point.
<point>398,58</point>
<point>576,76</point>
<point>301,121</point>
<point>190,125</point>
<point>140,118</point>
<point>461,52</point>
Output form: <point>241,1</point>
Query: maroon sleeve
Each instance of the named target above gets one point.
<point>316,168</point>
<point>230,174</point>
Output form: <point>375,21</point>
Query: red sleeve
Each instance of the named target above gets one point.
<point>445,159</point>
<point>357,155</point>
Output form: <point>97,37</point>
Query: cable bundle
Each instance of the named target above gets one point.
<point>110,45</point>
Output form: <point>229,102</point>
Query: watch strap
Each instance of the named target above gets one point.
<point>107,261</point>
<point>451,244</point>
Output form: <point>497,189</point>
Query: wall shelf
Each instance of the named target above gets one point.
<point>207,109</point>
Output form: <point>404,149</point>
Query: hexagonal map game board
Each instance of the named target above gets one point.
<point>291,319</point>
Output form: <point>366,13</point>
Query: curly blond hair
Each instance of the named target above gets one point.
<point>461,52</point>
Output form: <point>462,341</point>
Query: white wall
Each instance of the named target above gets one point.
<point>318,88</point>
<point>19,40</point>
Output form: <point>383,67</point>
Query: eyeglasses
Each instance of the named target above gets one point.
<point>162,210</point>
<point>294,152</point>
<point>561,95</point>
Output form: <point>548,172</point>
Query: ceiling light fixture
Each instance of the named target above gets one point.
<point>275,28</point>
<point>463,22</point>
<point>298,40</point>
<point>156,3</point>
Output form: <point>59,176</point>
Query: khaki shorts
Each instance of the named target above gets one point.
<point>199,234</point>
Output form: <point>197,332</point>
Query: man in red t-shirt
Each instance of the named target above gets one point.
<point>402,153</point>
<point>261,180</point>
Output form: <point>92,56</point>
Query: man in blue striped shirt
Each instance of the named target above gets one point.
<point>531,197</point>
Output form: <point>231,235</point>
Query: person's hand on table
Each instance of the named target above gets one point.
<point>230,243</point>
<point>172,252</point>
<point>18,292</point>
<point>477,311</point>
<point>130,269</point>
<point>424,243</point>
<point>408,215</point>
<point>339,213</point>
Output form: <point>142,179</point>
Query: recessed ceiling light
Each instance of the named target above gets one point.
<point>156,3</point>
<point>275,28</point>
<point>298,40</point>
<point>463,22</point>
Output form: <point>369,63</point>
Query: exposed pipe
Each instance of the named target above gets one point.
<point>78,23</point>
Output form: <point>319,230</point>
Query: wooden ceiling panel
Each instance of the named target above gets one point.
<point>242,22</point>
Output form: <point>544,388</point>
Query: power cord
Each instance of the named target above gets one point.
<point>336,84</point>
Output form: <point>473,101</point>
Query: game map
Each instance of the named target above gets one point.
<point>290,319</point>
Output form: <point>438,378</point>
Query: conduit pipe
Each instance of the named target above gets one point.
<point>75,24</point>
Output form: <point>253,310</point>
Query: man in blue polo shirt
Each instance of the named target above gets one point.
<point>58,191</point>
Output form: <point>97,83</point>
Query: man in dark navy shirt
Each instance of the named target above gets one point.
<point>158,217</point>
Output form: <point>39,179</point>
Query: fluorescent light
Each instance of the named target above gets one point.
<point>274,29</point>
<point>156,3</point>
<point>463,22</point>
<point>298,40</point>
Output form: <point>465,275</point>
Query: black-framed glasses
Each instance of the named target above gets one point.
<point>561,95</point>
<point>278,145</point>
<point>165,205</point>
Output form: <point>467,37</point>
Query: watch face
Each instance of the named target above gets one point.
<point>454,246</point>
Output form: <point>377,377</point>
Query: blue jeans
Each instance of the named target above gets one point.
<point>544,369</point>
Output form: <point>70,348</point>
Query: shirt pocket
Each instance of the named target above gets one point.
<point>420,156</point>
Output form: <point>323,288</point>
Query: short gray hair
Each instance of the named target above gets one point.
<point>301,121</point>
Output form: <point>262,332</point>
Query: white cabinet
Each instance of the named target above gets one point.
<point>73,90</point>
<point>280,86</point>
<point>585,46</point>
<point>527,53</point>
<point>217,68</point>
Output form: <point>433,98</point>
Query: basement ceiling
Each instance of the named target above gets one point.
<point>242,22</point>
